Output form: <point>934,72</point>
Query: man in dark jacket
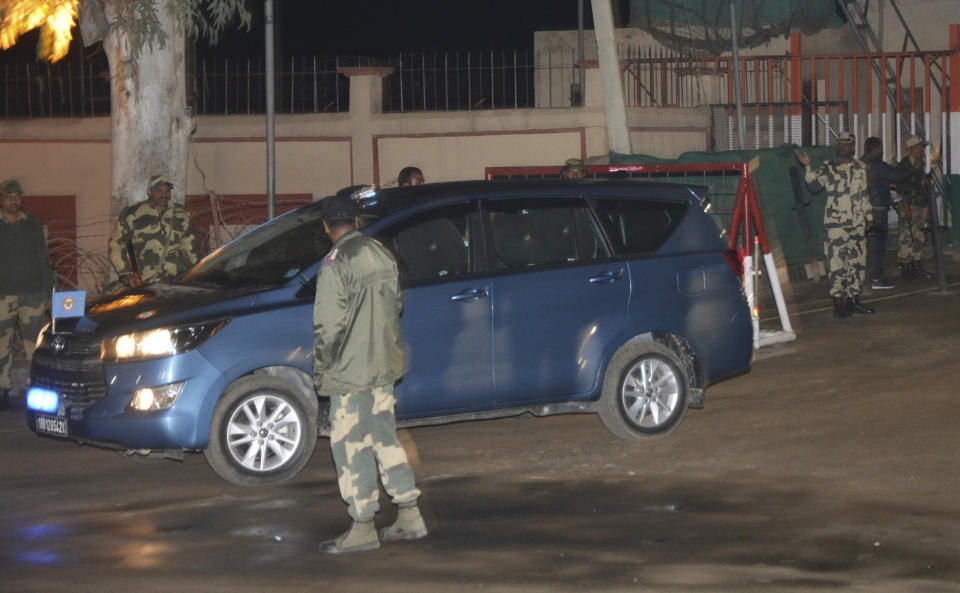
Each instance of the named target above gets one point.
<point>879,177</point>
<point>26,279</point>
<point>357,357</point>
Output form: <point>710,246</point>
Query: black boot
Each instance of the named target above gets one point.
<point>906,271</point>
<point>919,272</point>
<point>4,398</point>
<point>856,306</point>
<point>841,309</point>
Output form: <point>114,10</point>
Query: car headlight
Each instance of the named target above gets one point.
<point>155,398</point>
<point>159,342</point>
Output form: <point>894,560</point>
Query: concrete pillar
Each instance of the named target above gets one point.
<point>618,133</point>
<point>366,99</point>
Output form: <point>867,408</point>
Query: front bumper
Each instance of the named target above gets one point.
<point>109,422</point>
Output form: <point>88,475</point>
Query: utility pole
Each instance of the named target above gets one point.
<point>271,145</point>
<point>618,133</point>
<point>741,133</point>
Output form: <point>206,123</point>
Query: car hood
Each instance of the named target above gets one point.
<point>158,304</point>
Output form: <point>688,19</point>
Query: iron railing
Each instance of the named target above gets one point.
<point>234,86</point>
<point>447,81</point>
<point>460,81</point>
<point>71,88</point>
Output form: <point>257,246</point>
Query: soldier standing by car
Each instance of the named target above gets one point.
<point>26,280</point>
<point>153,241</point>
<point>357,358</point>
<point>845,218</point>
<point>914,213</point>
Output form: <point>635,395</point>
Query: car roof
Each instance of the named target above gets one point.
<point>389,200</point>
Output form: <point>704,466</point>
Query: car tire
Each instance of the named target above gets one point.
<point>263,431</point>
<point>644,391</point>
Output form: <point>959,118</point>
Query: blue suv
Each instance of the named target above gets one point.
<point>611,296</point>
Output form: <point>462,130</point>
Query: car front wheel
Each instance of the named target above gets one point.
<point>262,432</point>
<point>644,391</point>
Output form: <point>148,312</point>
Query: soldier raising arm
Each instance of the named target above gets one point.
<point>845,217</point>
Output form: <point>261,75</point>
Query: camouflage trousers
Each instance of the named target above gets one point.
<point>845,248</point>
<point>912,237</point>
<point>364,443</point>
<point>28,310</point>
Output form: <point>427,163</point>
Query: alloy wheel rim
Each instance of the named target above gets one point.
<point>649,393</point>
<point>263,433</point>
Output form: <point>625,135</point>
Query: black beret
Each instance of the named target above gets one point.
<point>339,208</point>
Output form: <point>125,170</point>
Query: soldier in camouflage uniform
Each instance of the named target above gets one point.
<point>845,218</point>
<point>357,359</point>
<point>153,241</point>
<point>26,280</point>
<point>913,209</point>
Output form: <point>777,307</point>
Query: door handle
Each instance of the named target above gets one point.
<point>606,277</point>
<point>469,295</point>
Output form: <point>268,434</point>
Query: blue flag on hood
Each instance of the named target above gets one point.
<point>68,304</point>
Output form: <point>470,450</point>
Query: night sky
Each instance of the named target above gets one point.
<point>382,26</point>
<point>376,27</point>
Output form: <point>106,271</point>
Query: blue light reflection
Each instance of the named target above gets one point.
<point>40,557</point>
<point>42,400</point>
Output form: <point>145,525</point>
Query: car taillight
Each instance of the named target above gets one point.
<point>733,259</point>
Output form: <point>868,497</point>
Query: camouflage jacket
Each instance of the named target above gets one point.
<point>356,318</point>
<point>848,203</point>
<point>912,190</point>
<point>164,243</point>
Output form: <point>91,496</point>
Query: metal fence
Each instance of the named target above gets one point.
<point>73,88</point>
<point>80,88</point>
<point>442,81</point>
<point>459,81</point>
<point>229,86</point>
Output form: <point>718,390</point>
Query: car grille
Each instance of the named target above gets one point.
<point>70,365</point>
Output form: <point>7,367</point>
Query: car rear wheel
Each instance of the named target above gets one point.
<point>644,391</point>
<point>262,432</point>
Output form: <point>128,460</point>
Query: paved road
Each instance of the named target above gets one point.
<point>833,466</point>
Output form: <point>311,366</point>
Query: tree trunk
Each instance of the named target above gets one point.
<point>150,124</point>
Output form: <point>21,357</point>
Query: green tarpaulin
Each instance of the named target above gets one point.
<point>703,26</point>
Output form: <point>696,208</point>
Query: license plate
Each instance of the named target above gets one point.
<point>53,425</point>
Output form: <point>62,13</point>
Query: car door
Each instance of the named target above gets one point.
<point>558,298</point>
<point>446,317</point>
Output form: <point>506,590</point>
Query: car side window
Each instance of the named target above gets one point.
<point>431,245</point>
<point>538,232</point>
<point>639,227</point>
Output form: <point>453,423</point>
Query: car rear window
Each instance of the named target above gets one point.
<point>639,227</point>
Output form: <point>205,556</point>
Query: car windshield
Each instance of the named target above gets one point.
<point>267,256</point>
